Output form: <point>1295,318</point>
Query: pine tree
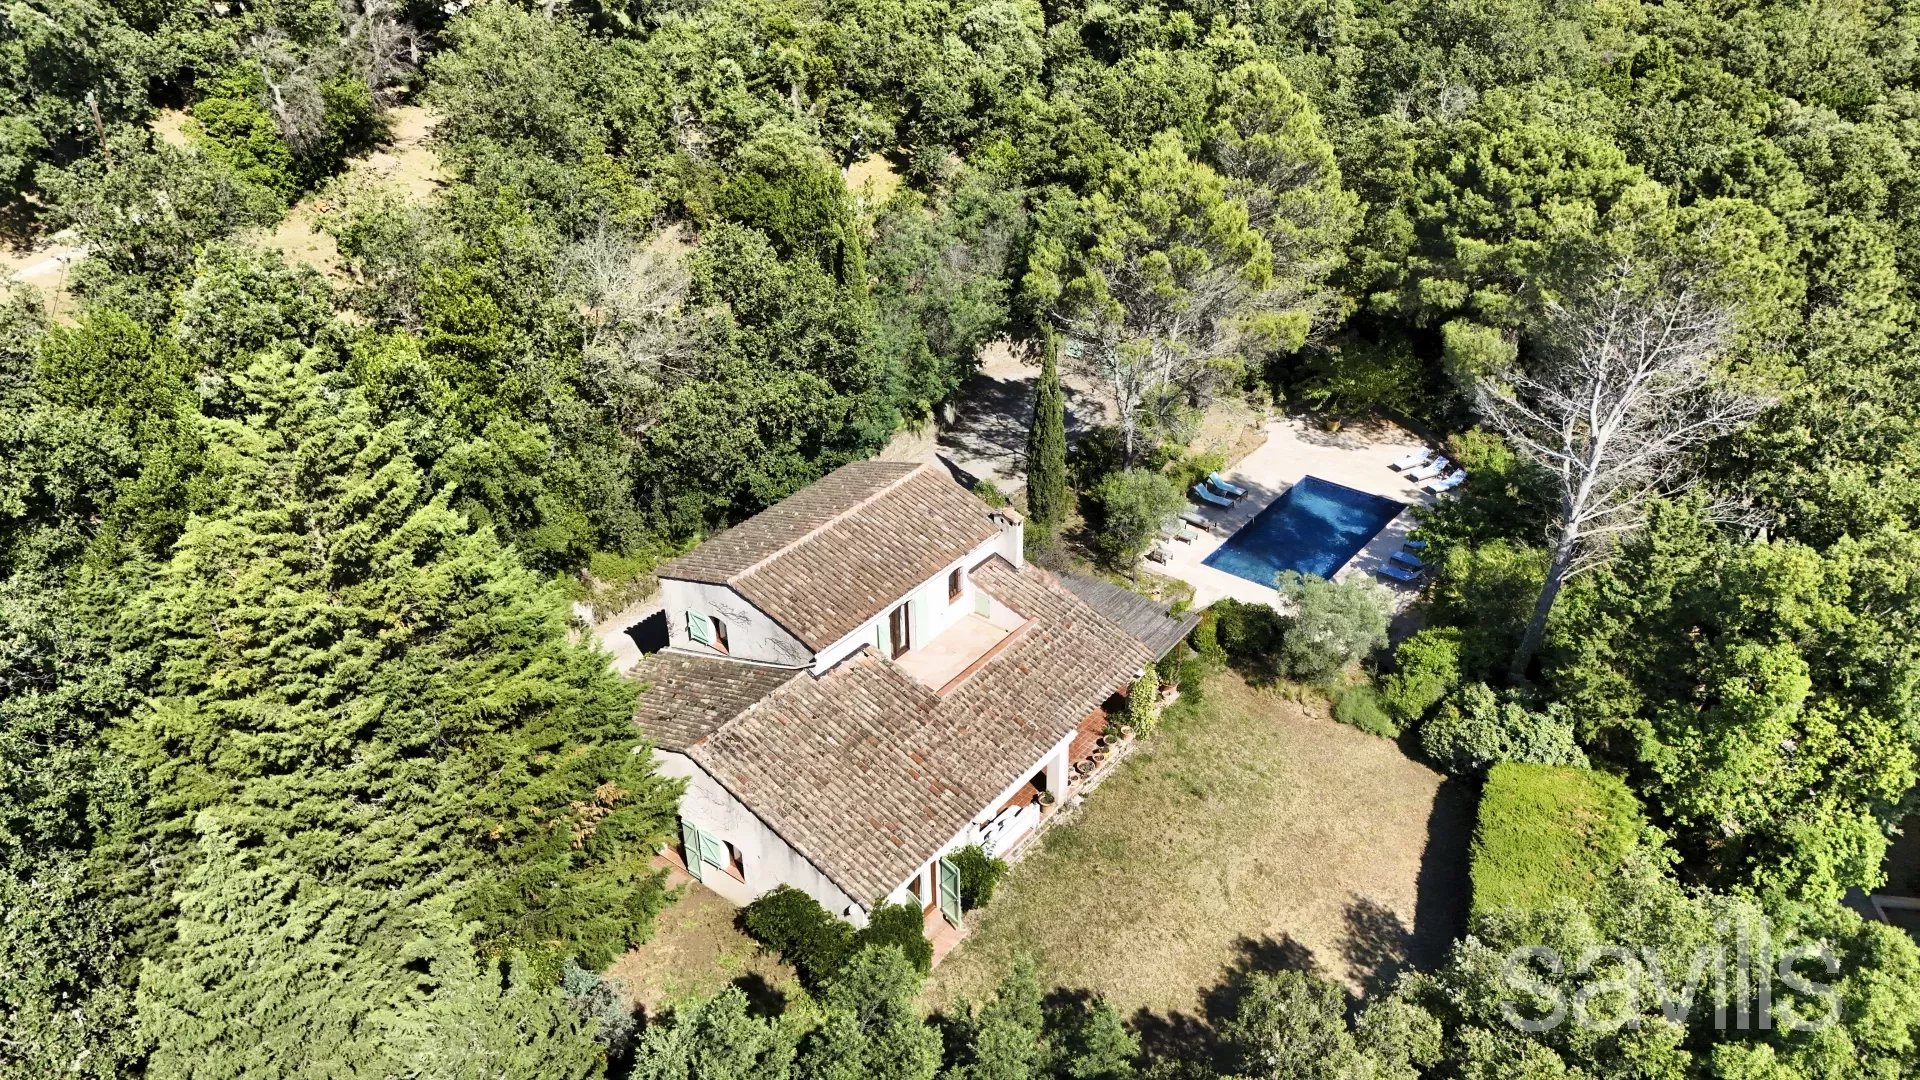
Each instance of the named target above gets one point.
<point>1047,445</point>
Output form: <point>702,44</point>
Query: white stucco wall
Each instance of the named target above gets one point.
<point>751,635</point>
<point>768,859</point>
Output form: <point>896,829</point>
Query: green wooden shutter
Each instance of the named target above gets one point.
<point>712,850</point>
<point>692,842</point>
<point>699,629</point>
<point>949,891</point>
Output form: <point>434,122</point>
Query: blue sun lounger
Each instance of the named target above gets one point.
<point>1399,573</point>
<point>1206,495</point>
<point>1409,559</point>
<point>1220,484</point>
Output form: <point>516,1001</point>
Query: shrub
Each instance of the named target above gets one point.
<point>1143,701</point>
<point>1427,669</point>
<point>1487,591</point>
<point>1206,640</point>
<point>1193,468</point>
<point>1133,504</point>
<point>236,130</point>
<point>1096,455</point>
<point>1359,706</point>
<point>1246,631</point>
<point>1334,623</point>
<point>980,875</point>
<point>1475,729</point>
<point>989,492</point>
<point>1547,832</point>
<point>805,934</point>
<point>901,926</point>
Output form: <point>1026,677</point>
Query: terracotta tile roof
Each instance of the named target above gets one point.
<point>839,551</point>
<point>866,772</point>
<point>687,697</point>
<point>1148,621</point>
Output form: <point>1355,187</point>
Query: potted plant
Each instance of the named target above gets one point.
<point>1046,798</point>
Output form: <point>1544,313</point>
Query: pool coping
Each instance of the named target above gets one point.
<point>1293,448</point>
<point>1400,507</point>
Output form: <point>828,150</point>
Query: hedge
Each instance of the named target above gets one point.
<point>1548,831</point>
<point>805,934</point>
<point>818,944</point>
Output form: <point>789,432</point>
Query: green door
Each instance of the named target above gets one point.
<point>949,889</point>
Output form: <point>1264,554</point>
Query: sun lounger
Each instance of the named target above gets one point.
<point>1414,460</point>
<point>1191,515</point>
<point>1201,492</point>
<point>1180,531</point>
<point>1408,558</point>
<point>1399,573</point>
<point>1416,545</point>
<point>1429,471</point>
<point>1160,552</point>
<point>1449,483</point>
<point>1220,484</point>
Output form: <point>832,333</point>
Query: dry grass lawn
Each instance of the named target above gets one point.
<point>1253,832</point>
<point>696,952</point>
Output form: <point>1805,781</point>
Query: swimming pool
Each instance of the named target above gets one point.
<point>1314,528</point>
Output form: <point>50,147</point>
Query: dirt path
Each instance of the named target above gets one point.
<point>406,164</point>
<point>985,435</point>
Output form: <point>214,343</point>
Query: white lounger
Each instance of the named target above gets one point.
<point>1430,470</point>
<point>1449,483</point>
<point>1413,461</point>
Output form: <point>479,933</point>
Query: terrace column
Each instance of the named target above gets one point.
<point>1057,773</point>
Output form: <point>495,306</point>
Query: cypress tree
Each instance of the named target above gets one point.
<point>1047,444</point>
<point>368,731</point>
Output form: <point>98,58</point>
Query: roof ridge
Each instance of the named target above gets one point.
<point>864,502</point>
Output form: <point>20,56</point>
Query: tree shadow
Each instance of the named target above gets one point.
<point>764,1000</point>
<point>1375,944</point>
<point>1443,887</point>
<point>1195,1039</point>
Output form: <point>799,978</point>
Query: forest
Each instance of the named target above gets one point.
<point>306,771</point>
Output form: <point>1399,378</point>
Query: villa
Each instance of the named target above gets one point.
<point>869,676</point>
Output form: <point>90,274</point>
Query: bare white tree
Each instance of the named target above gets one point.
<point>374,45</point>
<point>1627,390</point>
<point>293,80</point>
<point>639,335</point>
<point>378,46</point>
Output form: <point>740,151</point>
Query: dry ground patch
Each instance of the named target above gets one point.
<point>696,952</point>
<point>1252,832</point>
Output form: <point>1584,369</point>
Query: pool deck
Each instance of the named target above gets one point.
<point>1356,458</point>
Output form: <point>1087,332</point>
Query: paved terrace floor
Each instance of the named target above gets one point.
<point>1355,457</point>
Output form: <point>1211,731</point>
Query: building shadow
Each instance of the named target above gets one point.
<point>650,633</point>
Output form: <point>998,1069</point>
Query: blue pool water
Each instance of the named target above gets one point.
<point>1314,528</point>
